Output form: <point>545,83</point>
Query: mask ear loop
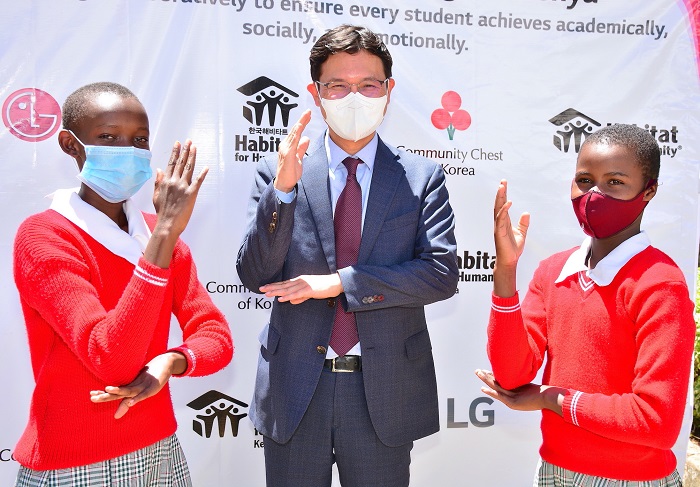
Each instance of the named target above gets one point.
<point>79,141</point>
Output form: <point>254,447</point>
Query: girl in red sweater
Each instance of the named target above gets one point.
<point>613,318</point>
<point>98,282</point>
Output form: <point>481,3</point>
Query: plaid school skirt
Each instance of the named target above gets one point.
<point>161,464</point>
<point>549,475</point>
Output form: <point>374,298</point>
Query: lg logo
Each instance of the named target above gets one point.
<point>7,456</point>
<point>479,417</point>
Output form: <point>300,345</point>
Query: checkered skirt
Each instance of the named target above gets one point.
<point>161,464</point>
<point>549,475</point>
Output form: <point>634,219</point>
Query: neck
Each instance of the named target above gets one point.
<point>115,211</point>
<point>352,147</point>
<point>601,247</point>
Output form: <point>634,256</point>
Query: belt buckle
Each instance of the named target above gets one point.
<point>338,370</point>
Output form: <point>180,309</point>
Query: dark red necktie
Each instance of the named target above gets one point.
<point>347,223</point>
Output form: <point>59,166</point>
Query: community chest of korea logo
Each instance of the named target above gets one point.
<point>31,114</point>
<point>451,116</point>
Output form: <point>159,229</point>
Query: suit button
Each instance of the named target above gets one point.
<point>331,303</point>
<point>274,216</point>
<point>321,349</point>
<point>271,227</point>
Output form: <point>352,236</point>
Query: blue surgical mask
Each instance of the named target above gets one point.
<point>115,173</point>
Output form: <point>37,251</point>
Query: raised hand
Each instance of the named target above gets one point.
<point>175,191</point>
<point>509,240</point>
<point>173,197</point>
<point>290,155</point>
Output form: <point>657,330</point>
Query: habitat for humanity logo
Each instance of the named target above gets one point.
<point>451,116</point>
<point>216,407</point>
<point>268,106</point>
<point>574,127</point>
<point>267,97</point>
<point>31,114</point>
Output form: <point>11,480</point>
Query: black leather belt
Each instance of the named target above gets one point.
<point>346,363</point>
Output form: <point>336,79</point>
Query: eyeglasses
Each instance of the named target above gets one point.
<point>334,90</point>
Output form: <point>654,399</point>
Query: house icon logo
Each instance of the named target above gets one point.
<point>267,97</point>
<point>217,407</point>
<point>574,127</point>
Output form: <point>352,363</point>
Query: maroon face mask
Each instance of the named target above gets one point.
<point>602,216</point>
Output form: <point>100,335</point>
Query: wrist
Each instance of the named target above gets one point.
<point>283,188</point>
<point>178,362</point>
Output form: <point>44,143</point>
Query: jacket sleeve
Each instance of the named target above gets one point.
<point>207,342</point>
<point>430,276</point>
<point>268,234</point>
<point>53,280</point>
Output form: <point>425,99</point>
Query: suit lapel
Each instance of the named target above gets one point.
<point>314,186</point>
<point>385,179</point>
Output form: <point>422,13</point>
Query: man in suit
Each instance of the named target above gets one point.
<point>353,238</point>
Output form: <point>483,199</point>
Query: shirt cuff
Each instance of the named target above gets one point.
<point>286,198</point>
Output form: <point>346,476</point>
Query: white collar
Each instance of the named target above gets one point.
<point>99,226</point>
<point>605,271</point>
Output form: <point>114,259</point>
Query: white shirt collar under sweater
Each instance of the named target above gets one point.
<point>606,270</point>
<point>99,226</point>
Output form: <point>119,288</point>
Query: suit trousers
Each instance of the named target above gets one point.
<point>337,428</point>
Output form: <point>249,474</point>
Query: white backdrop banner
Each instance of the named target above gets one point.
<point>490,90</point>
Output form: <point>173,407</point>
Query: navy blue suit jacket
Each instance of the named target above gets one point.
<point>407,260</point>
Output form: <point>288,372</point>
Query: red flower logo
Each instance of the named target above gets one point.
<point>450,116</point>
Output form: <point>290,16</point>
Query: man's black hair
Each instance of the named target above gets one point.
<point>350,39</point>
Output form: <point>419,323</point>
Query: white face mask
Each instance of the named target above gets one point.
<point>354,116</point>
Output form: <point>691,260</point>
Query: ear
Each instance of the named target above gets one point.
<point>311,88</point>
<point>650,192</point>
<point>72,147</point>
<point>389,88</point>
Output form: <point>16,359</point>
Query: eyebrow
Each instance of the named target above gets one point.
<point>612,173</point>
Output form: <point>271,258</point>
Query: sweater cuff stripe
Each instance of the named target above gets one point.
<point>505,309</point>
<point>572,409</point>
<point>193,362</point>
<point>140,272</point>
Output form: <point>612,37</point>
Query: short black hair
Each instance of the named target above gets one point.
<point>635,138</point>
<point>75,106</point>
<point>350,39</point>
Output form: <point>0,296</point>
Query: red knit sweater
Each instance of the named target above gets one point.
<point>93,320</point>
<point>626,347</point>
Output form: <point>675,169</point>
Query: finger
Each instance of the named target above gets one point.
<point>156,189</point>
<point>303,146</point>
<point>295,134</point>
<point>198,181</point>
<point>173,159</point>
<point>189,166</point>
<point>123,408</point>
<point>524,224</point>
<point>182,160</point>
